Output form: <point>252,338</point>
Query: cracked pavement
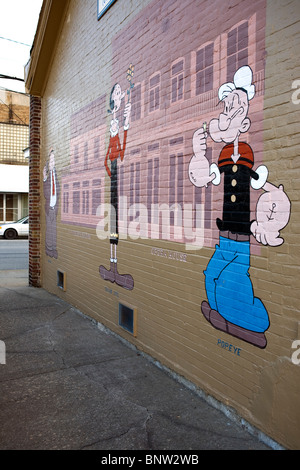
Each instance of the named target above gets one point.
<point>69,385</point>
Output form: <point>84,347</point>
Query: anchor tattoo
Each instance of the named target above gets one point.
<point>272,211</point>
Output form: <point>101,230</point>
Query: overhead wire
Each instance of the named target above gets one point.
<point>17,42</point>
<point>11,78</point>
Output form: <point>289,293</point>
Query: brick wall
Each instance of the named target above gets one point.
<point>34,192</point>
<point>182,52</point>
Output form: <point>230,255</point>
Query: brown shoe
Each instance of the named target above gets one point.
<point>213,317</point>
<point>108,274</point>
<point>124,280</point>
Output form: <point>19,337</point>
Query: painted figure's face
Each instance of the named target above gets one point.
<point>233,120</point>
<point>117,97</point>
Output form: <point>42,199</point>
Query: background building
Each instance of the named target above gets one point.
<point>170,58</point>
<point>14,169</point>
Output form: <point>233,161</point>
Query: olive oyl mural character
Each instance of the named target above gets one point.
<point>232,306</point>
<point>51,194</point>
<point>114,152</point>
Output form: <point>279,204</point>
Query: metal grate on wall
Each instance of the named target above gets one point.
<point>128,318</point>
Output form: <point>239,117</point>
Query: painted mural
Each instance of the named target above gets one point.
<point>184,80</point>
<point>115,152</point>
<point>232,306</point>
<point>51,193</point>
<point>169,95</point>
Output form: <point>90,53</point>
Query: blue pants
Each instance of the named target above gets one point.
<point>229,288</point>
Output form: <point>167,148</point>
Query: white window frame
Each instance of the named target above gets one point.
<point>103,6</point>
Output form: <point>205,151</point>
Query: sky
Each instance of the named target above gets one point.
<point>18,22</point>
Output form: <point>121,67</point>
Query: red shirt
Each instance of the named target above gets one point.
<point>115,150</point>
<point>246,155</point>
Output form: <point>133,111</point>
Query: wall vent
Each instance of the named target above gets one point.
<point>128,318</point>
<point>61,280</point>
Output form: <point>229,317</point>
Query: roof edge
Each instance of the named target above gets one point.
<point>48,30</point>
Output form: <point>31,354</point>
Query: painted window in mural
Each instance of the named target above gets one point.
<point>154,95</point>
<point>204,69</point>
<point>86,156</point>
<point>176,189</point>
<point>66,198</point>
<point>136,105</point>
<point>85,197</point>
<point>76,154</point>
<point>176,179</point>
<point>153,186</point>
<point>237,49</point>
<point>76,198</point>
<point>96,195</point>
<point>135,186</point>
<point>177,81</point>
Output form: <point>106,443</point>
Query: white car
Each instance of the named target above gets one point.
<point>13,230</point>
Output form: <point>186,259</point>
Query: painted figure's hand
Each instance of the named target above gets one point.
<point>127,112</point>
<point>200,173</point>
<point>272,215</point>
<point>199,143</point>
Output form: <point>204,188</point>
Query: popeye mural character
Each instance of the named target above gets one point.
<point>232,306</point>
<point>51,193</point>
<point>115,152</point>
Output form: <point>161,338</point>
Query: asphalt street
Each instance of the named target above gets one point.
<point>13,254</point>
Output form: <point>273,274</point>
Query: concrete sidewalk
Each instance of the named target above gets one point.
<point>13,278</point>
<point>67,384</point>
